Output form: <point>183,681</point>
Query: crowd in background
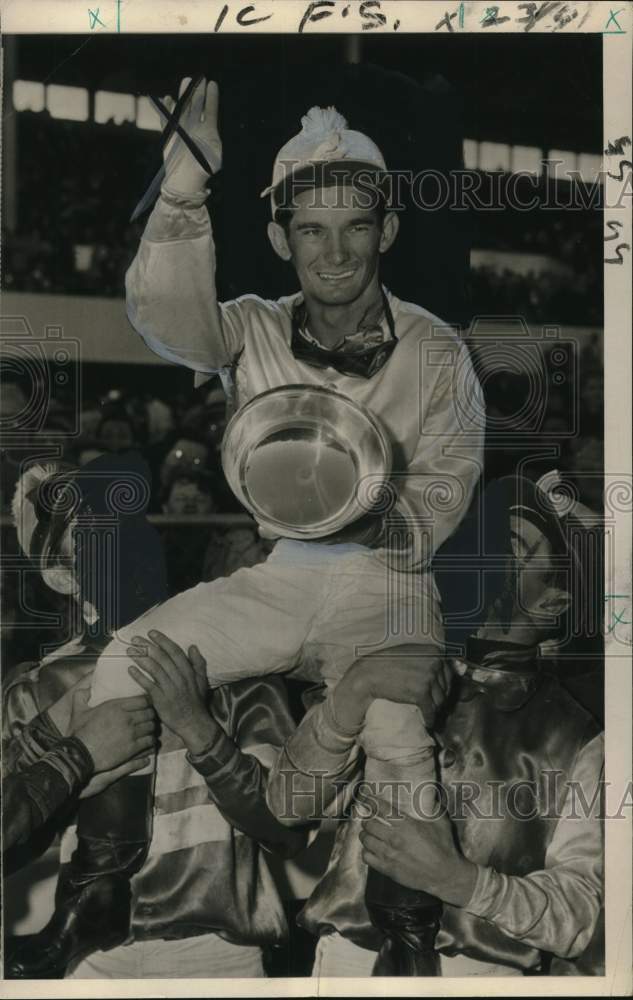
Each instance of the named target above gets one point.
<point>180,441</point>
<point>78,184</point>
<point>536,297</point>
<point>81,241</point>
<point>180,437</point>
<point>70,234</point>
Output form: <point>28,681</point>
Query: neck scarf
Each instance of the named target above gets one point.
<point>354,357</point>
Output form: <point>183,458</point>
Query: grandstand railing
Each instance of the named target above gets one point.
<point>180,520</point>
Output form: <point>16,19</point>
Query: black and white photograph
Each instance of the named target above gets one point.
<point>315,498</point>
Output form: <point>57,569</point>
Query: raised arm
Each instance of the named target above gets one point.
<point>170,285</point>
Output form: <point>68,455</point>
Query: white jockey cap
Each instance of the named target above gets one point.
<point>325,141</point>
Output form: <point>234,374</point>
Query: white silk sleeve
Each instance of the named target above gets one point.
<point>556,909</point>
<point>437,488</point>
<point>170,288</point>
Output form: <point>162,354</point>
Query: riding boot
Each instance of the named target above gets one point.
<point>93,896</point>
<point>409,920</point>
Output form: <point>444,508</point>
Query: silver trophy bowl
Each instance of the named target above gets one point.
<point>305,461</point>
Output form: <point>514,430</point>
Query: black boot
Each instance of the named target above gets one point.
<point>409,919</point>
<point>93,896</point>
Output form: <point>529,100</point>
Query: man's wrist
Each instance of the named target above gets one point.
<point>200,734</point>
<point>351,699</point>
<point>72,759</point>
<point>184,199</point>
<point>459,888</point>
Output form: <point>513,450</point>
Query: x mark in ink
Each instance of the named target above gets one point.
<point>172,125</point>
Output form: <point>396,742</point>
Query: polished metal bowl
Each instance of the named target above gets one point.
<point>305,460</point>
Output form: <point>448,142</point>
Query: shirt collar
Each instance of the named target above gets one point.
<point>372,330</point>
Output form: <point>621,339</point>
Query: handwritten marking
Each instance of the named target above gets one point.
<point>118,15</point>
<point>584,17</point>
<point>241,17</point>
<point>618,259</point>
<point>620,176</point>
<point>563,18</point>
<point>95,19</point>
<point>613,16</point>
<point>446,21</point>
<point>618,620</point>
<point>613,225</point>
<point>617,616</point>
<point>534,13</point>
<point>312,12</point>
<point>617,145</point>
<point>221,16</point>
<point>461,15</point>
<point>372,18</point>
<point>491,17</point>
<point>369,12</point>
<point>172,124</point>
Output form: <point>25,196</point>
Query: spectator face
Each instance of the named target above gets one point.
<point>185,456</point>
<point>116,435</point>
<point>186,497</point>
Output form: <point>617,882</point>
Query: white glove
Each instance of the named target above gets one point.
<point>199,119</point>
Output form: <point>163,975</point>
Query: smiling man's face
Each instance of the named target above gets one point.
<point>334,243</point>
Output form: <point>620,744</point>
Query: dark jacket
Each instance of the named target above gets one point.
<point>206,869</point>
<point>500,726</point>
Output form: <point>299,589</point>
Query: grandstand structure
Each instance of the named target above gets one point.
<point>81,144</point>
